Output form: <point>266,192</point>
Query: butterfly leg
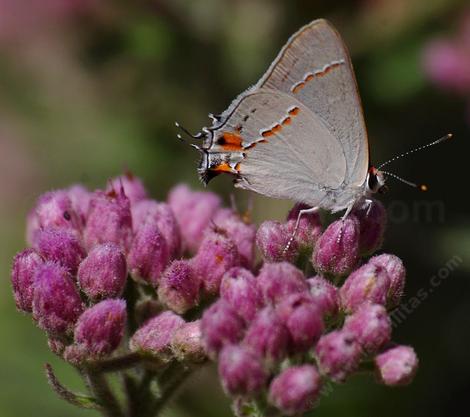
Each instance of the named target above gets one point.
<point>343,218</point>
<point>301,213</point>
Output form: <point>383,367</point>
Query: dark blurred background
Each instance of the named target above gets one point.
<point>89,88</point>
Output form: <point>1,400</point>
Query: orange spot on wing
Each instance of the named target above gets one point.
<point>230,141</point>
<point>298,87</point>
<point>223,167</point>
<point>294,112</point>
<point>287,121</point>
<point>276,128</point>
<point>267,133</point>
<point>309,77</point>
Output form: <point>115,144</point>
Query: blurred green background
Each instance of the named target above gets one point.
<point>89,88</point>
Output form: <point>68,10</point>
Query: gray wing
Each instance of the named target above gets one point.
<point>314,67</point>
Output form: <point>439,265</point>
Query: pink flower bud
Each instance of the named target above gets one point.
<point>56,301</point>
<point>109,220</point>
<point>186,343</point>
<point>193,211</point>
<point>371,327</point>
<point>295,390</point>
<point>163,216</point>
<point>241,371</point>
<point>132,186</point>
<point>61,246</point>
<point>397,366</point>
<point>239,288</point>
<point>338,355</point>
<point>324,294</point>
<point>102,274</point>
<point>337,250</point>
<point>309,229</point>
<point>80,198</point>
<point>267,336</point>
<point>369,283</point>
<point>179,287</point>
<point>100,329</point>
<point>215,256</point>
<point>397,274</point>
<point>372,220</point>
<point>272,238</point>
<point>277,280</point>
<point>155,336</point>
<point>148,255</point>
<point>220,326</point>
<point>303,319</point>
<point>24,267</point>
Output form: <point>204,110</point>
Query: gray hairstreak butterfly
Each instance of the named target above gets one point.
<point>299,132</point>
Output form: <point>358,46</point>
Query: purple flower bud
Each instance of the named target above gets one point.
<point>148,255</point>
<point>324,294</point>
<point>277,280</point>
<point>267,336</point>
<point>186,343</point>
<point>241,371</point>
<point>163,216</point>
<point>272,238</point>
<point>369,283</point>
<point>372,220</point>
<point>242,234</point>
<point>56,301</point>
<point>303,319</point>
<point>24,267</point>
<point>55,209</point>
<point>215,256</point>
<point>239,288</point>
<point>220,326</point>
<point>155,336</point>
<point>80,198</point>
<point>397,274</point>
<point>194,211</point>
<point>109,220</point>
<point>338,354</point>
<point>371,327</point>
<point>99,330</point>
<point>32,226</point>
<point>309,229</point>
<point>397,366</point>
<point>337,250</point>
<point>179,287</point>
<point>132,186</point>
<point>295,390</point>
<point>61,246</point>
<point>102,274</point>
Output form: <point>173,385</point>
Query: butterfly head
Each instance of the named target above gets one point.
<point>375,181</point>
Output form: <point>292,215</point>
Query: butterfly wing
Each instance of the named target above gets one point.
<point>314,67</point>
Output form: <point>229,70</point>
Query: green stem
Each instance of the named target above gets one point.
<point>118,363</point>
<point>101,390</point>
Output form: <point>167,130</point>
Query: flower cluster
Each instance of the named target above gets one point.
<point>121,282</point>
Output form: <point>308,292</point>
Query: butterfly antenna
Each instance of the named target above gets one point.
<point>419,148</point>
<point>197,136</point>
<point>420,187</point>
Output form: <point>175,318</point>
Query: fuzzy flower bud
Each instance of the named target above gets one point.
<point>109,220</point>
<point>99,330</point>
<point>179,287</point>
<point>80,198</point>
<point>186,343</point>
<point>303,319</point>
<point>239,288</point>
<point>272,238</point>
<point>309,229</point>
<point>220,326</point>
<point>372,220</point>
<point>24,267</point>
<point>397,366</point>
<point>132,186</point>
<point>193,211</point>
<point>215,256</point>
<point>337,250</point>
<point>397,274</point>
<point>267,336</point>
<point>61,246</point>
<point>295,390</point>
<point>155,336</point>
<point>102,274</point>
<point>338,355</point>
<point>56,301</point>
<point>148,255</point>
<point>277,280</point>
<point>241,371</point>
<point>371,326</point>
<point>369,283</point>
<point>324,294</point>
